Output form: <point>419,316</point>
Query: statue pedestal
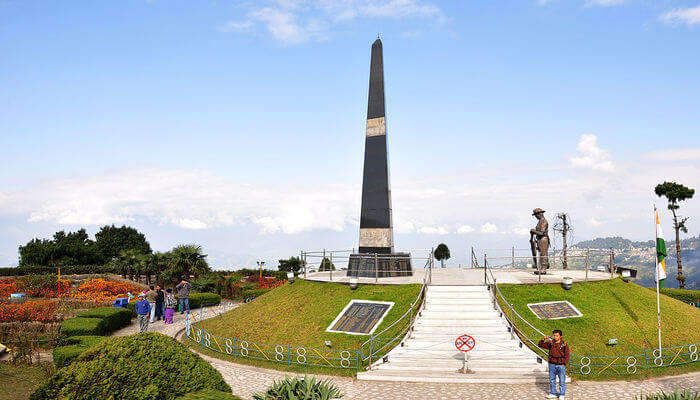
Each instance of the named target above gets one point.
<point>366,265</point>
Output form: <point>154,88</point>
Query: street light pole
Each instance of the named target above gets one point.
<point>261,264</point>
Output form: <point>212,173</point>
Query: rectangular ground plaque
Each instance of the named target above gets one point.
<point>554,310</point>
<point>360,317</point>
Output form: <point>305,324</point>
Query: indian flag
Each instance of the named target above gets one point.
<point>660,253</point>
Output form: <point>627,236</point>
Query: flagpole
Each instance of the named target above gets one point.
<point>656,269</point>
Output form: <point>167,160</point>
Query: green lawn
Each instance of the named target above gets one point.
<point>613,309</point>
<point>17,382</point>
<point>298,314</point>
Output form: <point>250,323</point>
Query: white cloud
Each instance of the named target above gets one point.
<point>231,26</point>
<point>295,21</point>
<point>591,156</point>
<point>520,231</point>
<point>604,3</point>
<point>489,227</point>
<point>434,230</point>
<point>283,25</point>
<point>594,221</point>
<point>188,223</point>
<point>688,16</point>
<point>464,229</point>
<point>689,154</point>
<point>187,199</point>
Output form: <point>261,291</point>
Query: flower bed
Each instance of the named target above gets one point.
<point>102,290</point>
<point>44,311</point>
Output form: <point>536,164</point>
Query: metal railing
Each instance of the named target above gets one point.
<point>328,261</point>
<point>522,330</point>
<point>375,347</point>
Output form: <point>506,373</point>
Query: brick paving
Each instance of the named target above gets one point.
<point>246,380</point>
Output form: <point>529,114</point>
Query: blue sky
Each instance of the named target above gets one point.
<point>240,125</point>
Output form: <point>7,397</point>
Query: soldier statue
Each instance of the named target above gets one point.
<point>539,238</point>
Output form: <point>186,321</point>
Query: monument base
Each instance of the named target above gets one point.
<point>367,265</point>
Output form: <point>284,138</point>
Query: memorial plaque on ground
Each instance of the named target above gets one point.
<point>554,310</point>
<point>360,317</point>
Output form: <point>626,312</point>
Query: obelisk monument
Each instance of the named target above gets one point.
<point>376,233</point>
<point>376,255</point>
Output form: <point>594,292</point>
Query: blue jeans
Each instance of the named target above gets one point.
<point>554,372</point>
<point>184,304</point>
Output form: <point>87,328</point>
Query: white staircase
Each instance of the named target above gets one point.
<point>429,354</point>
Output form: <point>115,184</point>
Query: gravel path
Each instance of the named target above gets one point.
<point>246,380</point>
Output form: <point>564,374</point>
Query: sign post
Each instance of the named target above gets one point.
<point>465,343</point>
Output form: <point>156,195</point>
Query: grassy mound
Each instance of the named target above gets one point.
<point>299,314</point>
<point>73,347</point>
<point>139,367</point>
<point>611,309</point>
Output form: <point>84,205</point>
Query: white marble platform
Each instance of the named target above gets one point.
<point>466,276</point>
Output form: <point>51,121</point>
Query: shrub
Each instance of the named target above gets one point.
<point>79,326</point>
<point>250,293</point>
<point>295,388</point>
<point>209,394</point>
<point>205,283</point>
<point>684,295</point>
<point>144,366</point>
<point>114,317</point>
<point>74,346</point>
<point>204,299</point>
<point>676,395</point>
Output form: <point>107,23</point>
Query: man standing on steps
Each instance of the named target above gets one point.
<point>183,294</point>
<point>559,354</point>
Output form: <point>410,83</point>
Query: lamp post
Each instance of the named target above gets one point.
<point>261,264</point>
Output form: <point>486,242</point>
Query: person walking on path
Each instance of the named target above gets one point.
<point>559,354</point>
<point>151,297</point>
<point>183,293</point>
<point>170,304</point>
<point>160,300</point>
<point>143,309</point>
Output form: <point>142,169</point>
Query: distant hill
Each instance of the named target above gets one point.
<point>616,242</point>
<point>640,256</point>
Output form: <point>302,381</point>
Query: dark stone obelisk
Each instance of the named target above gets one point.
<point>376,255</point>
<point>376,234</point>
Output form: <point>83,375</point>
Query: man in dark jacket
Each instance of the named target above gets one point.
<point>160,301</point>
<point>183,294</point>
<point>559,354</point>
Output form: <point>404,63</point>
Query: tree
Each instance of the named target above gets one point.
<point>675,192</point>
<point>563,226</point>
<point>72,248</point>
<point>187,260</point>
<point>293,264</point>
<point>110,240</point>
<point>326,265</point>
<point>129,263</point>
<point>442,253</point>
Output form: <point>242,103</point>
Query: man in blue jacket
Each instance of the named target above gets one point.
<point>143,311</point>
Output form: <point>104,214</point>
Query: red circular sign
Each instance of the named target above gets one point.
<point>465,343</point>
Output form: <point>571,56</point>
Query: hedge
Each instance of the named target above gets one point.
<point>144,366</point>
<point>115,317</point>
<point>209,394</point>
<point>74,346</point>
<point>684,295</point>
<point>204,299</point>
<point>79,326</point>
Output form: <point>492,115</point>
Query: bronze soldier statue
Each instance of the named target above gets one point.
<point>540,237</point>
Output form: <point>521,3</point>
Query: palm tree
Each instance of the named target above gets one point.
<point>187,259</point>
<point>129,262</point>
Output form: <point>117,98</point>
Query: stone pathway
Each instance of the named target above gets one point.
<point>246,380</point>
